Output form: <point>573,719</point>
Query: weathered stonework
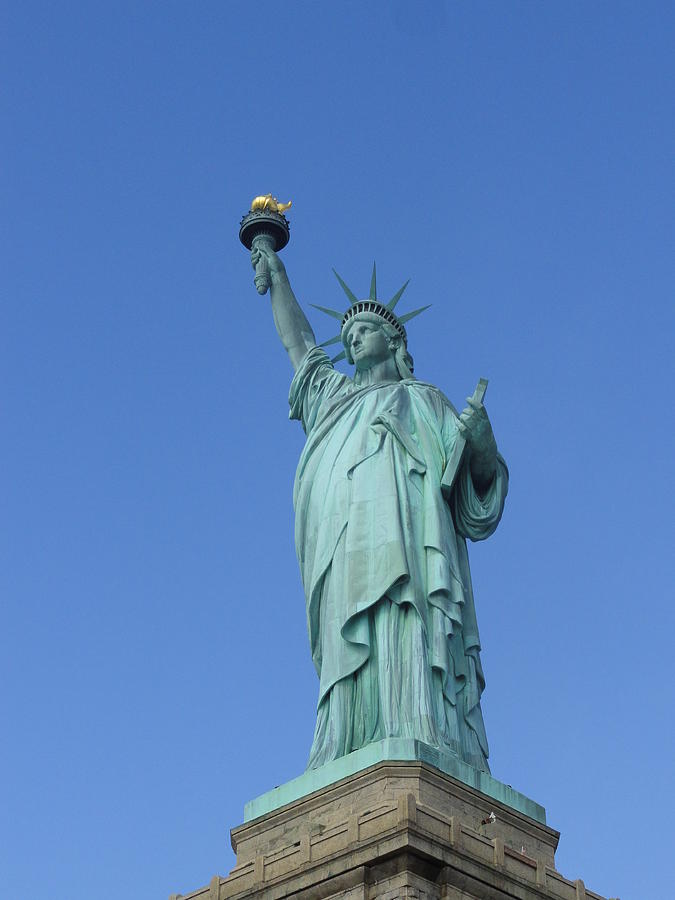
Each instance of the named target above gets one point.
<point>396,831</point>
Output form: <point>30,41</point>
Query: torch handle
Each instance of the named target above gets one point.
<point>262,278</point>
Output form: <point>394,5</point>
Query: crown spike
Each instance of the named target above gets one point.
<point>411,315</point>
<point>333,340</point>
<point>397,296</point>
<point>352,299</point>
<point>340,356</point>
<point>329,312</point>
<point>373,284</point>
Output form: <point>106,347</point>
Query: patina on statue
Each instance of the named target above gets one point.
<point>385,497</point>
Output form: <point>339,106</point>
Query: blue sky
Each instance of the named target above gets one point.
<point>515,160</point>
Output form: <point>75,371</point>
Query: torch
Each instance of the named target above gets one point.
<point>265,225</point>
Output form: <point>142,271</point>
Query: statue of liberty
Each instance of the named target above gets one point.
<point>390,484</point>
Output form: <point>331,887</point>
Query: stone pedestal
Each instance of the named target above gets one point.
<point>395,830</point>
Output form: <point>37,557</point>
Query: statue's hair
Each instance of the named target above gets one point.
<point>404,361</point>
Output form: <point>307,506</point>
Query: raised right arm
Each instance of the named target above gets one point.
<point>291,323</point>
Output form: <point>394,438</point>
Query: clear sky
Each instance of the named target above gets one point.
<point>515,160</point>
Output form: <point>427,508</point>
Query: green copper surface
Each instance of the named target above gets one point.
<point>392,749</point>
<point>391,484</point>
<point>383,558</point>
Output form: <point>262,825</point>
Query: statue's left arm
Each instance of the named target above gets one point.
<point>478,483</point>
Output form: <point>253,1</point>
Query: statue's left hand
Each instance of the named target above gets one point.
<point>474,426</point>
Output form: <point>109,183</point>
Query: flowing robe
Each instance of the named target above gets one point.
<point>383,505</point>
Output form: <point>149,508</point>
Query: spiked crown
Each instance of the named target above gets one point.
<point>372,305</point>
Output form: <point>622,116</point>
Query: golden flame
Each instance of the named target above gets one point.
<point>268,203</point>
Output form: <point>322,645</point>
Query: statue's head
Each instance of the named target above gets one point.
<point>375,328</point>
<point>369,338</point>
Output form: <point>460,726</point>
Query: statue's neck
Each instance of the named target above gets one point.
<point>379,373</point>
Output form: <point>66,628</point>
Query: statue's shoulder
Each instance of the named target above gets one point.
<point>433,394</point>
<point>316,361</point>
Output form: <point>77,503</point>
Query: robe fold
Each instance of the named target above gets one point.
<point>383,505</point>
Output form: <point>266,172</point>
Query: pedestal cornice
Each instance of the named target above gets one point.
<point>396,831</point>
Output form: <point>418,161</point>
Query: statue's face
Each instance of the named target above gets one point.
<point>368,344</point>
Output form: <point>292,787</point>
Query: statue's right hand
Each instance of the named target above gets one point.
<point>262,250</point>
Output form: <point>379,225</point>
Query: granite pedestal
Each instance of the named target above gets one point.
<point>396,829</point>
